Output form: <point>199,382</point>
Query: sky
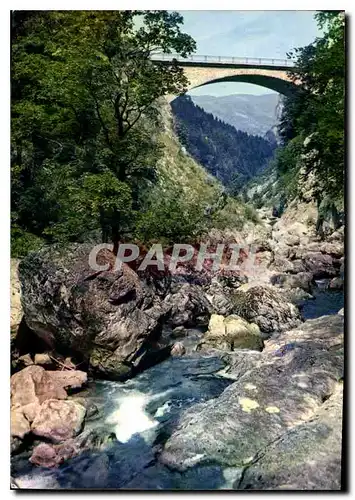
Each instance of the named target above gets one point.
<point>247,34</point>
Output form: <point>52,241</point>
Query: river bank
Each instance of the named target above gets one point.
<point>209,383</point>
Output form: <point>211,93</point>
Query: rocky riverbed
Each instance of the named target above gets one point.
<point>140,382</point>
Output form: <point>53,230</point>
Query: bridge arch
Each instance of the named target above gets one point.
<point>203,70</point>
<point>275,79</point>
<point>280,85</point>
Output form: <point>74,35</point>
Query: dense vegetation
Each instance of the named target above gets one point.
<point>312,123</point>
<point>85,135</point>
<point>233,156</point>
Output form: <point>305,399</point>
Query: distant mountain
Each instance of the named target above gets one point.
<point>254,114</point>
<point>233,156</point>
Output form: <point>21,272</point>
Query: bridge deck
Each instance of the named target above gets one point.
<point>222,61</point>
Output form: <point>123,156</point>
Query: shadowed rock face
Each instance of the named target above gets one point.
<point>112,320</point>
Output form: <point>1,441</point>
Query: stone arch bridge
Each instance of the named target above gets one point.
<point>202,70</point>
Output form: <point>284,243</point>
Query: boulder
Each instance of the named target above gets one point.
<point>43,359</point>
<point>231,333</point>
<point>107,318</point>
<point>276,392</point>
<point>24,361</point>
<point>311,454</point>
<point>58,420</point>
<point>69,379</point>
<point>178,349</point>
<point>297,296</point>
<point>187,305</point>
<point>220,299</point>
<point>336,283</point>
<point>267,307</point>
<point>34,385</point>
<point>301,280</point>
<point>320,265</point>
<point>30,388</point>
<point>51,455</point>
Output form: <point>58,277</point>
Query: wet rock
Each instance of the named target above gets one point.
<point>179,332</point>
<point>52,455</point>
<point>230,333</point>
<point>58,420</point>
<point>267,307</point>
<point>280,389</point>
<point>305,458</point>
<point>298,296</point>
<point>178,349</point>
<point>336,284</point>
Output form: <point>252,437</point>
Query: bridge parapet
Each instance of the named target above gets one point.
<point>197,59</point>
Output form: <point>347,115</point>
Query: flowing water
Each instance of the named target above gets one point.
<point>142,412</point>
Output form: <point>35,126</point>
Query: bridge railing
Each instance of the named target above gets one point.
<point>252,61</point>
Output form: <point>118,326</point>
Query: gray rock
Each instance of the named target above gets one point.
<point>267,307</point>
<point>283,387</point>
<point>300,280</point>
<point>107,317</point>
<point>305,458</point>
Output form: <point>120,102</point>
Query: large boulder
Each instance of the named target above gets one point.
<point>310,454</point>
<point>30,389</point>
<point>267,307</point>
<point>109,319</point>
<point>276,392</point>
<point>231,333</point>
<point>58,420</point>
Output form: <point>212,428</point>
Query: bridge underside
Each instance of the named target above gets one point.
<point>272,83</point>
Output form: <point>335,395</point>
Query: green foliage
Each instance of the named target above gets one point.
<point>314,116</point>
<point>171,217</point>
<point>231,155</point>
<point>84,92</point>
<point>23,242</point>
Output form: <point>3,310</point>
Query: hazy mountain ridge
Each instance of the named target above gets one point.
<point>254,114</point>
<point>232,156</point>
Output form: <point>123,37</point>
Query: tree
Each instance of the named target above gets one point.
<point>315,113</point>
<point>84,101</point>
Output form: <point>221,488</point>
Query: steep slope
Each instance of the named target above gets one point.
<point>231,156</point>
<point>254,114</point>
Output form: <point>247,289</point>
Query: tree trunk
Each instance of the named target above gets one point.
<point>115,238</point>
